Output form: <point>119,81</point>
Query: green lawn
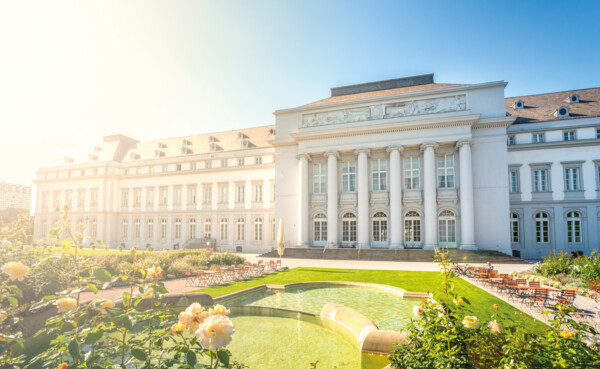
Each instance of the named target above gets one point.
<point>478,302</point>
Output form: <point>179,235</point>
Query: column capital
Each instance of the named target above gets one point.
<point>303,156</point>
<point>391,148</point>
<point>461,143</point>
<point>362,151</point>
<point>327,154</point>
<point>426,145</point>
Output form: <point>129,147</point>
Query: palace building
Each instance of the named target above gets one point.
<point>403,163</point>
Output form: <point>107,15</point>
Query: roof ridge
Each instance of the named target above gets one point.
<point>208,133</point>
<point>555,92</point>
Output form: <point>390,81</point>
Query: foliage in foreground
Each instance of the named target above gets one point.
<point>444,337</point>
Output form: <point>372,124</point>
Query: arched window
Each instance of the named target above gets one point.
<point>193,228</point>
<point>412,227</point>
<point>349,227</point>
<point>258,229</point>
<point>514,227</point>
<point>163,228</point>
<point>380,227</point>
<point>542,227</point>
<point>320,228</point>
<point>223,229</point>
<point>574,227</point>
<point>207,228</point>
<point>177,228</point>
<point>240,229</point>
<point>447,227</point>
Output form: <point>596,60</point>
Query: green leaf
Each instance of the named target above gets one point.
<point>159,288</point>
<point>102,275</point>
<point>13,301</point>
<point>224,356</point>
<point>93,337</point>
<point>191,357</point>
<point>128,323</point>
<point>93,288</point>
<point>126,298</point>
<point>75,349</point>
<point>139,354</point>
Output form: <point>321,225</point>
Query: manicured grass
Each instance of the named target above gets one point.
<point>478,302</point>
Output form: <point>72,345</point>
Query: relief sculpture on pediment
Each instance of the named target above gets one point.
<point>392,110</point>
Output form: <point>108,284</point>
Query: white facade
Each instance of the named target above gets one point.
<point>14,196</point>
<point>404,163</point>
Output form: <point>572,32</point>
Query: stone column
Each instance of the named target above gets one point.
<point>303,199</point>
<point>395,222</point>
<point>332,198</point>
<point>429,194</point>
<point>467,213</point>
<point>362,183</point>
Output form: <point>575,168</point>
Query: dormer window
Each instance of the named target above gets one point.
<point>159,153</point>
<point>214,147</point>
<point>562,112</point>
<point>241,136</point>
<point>212,139</point>
<point>272,131</point>
<point>511,140</point>
<point>162,145</point>
<point>187,142</point>
<point>573,99</point>
<point>186,151</point>
<point>134,156</point>
<point>93,157</point>
<point>519,104</point>
<point>244,144</point>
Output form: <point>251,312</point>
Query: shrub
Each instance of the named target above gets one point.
<point>226,259</point>
<point>555,263</point>
<point>178,268</point>
<point>588,267</point>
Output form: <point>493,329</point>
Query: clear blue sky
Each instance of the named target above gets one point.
<point>73,71</point>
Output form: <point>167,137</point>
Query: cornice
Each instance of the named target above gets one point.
<point>554,145</point>
<point>283,142</point>
<point>408,95</point>
<point>386,128</point>
<point>494,122</point>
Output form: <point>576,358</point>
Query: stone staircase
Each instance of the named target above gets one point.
<point>416,255</point>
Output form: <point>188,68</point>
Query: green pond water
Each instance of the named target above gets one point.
<point>386,309</point>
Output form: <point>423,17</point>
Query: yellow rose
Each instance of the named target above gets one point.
<point>215,332</point>
<point>63,366</point>
<point>495,327</point>
<point>15,270</point>
<point>66,304</point>
<point>471,322</point>
<point>495,306</point>
<point>193,316</point>
<point>219,309</point>
<point>459,301</point>
<point>177,328</point>
<point>106,304</point>
<point>566,335</point>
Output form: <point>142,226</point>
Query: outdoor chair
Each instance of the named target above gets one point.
<point>540,297</point>
<point>190,278</point>
<point>534,284</point>
<point>566,297</point>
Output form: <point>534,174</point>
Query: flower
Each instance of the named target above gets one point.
<point>66,304</point>
<point>566,335</point>
<point>63,366</point>
<point>106,304</point>
<point>418,310</point>
<point>15,270</point>
<point>495,306</point>
<point>459,301</point>
<point>177,328</point>
<point>494,326</point>
<point>215,332</point>
<point>193,316</point>
<point>219,309</point>
<point>154,272</point>
<point>471,322</point>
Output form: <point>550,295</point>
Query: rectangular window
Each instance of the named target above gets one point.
<point>68,199</point>
<point>207,194</point>
<point>445,164</point>
<point>163,228</point>
<point>177,196</point>
<point>94,228</point>
<point>379,173</point>
<point>224,163</point>
<point>137,197</point>
<point>240,230</point>
<point>125,228</point>
<point>572,179</point>
<point>258,160</point>
<point>411,172</point>
<point>44,200</point>
<point>538,137</point>
<point>258,233</point>
<point>193,166</point>
<point>511,140</point>
<point>177,228</point>
<point>192,195</point>
<point>165,168</point>
<point>137,228</point>
<point>241,162</point>
<point>192,228</point>
<point>224,229</point>
<point>568,135</point>
<point>80,198</point>
<point>125,198</point>
<point>223,194</point>
<point>208,164</point>
<point>319,178</point>
<point>514,231</point>
<point>94,197</point>
<point>349,176</point>
<point>540,180</point>
<point>597,132</point>
<point>513,181</point>
<point>258,193</point>
<point>164,196</point>
<point>240,193</point>
<point>150,197</point>
<point>150,229</point>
